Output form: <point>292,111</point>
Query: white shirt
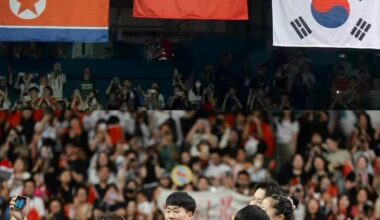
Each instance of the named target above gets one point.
<point>194,98</point>
<point>57,85</point>
<point>258,176</point>
<point>37,204</point>
<point>285,130</point>
<point>217,170</point>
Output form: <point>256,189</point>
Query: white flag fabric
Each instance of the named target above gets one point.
<point>326,23</point>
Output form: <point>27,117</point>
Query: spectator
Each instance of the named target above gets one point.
<point>165,50</point>
<point>92,102</point>
<point>217,169</point>
<point>127,97</point>
<point>179,99</point>
<point>113,103</point>
<point>56,80</point>
<point>36,204</point>
<point>152,100</point>
<point>76,102</point>
<point>257,172</point>
<point>195,95</point>
<point>23,83</point>
<point>293,174</point>
<point>243,183</point>
<point>287,135</point>
<point>114,86</point>
<point>231,103</point>
<point>87,85</point>
<point>5,103</point>
<point>63,150</point>
<point>80,208</point>
<point>56,210</point>
<point>313,212</point>
<point>6,83</point>
<point>17,180</point>
<point>47,100</point>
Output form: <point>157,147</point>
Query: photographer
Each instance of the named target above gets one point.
<point>56,80</point>
<point>23,83</point>
<point>177,80</point>
<point>47,100</point>
<point>92,103</point>
<point>152,101</point>
<point>114,86</point>
<point>127,97</point>
<point>76,102</point>
<point>231,103</point>
<point>179,99</point>
<point>17,214</point>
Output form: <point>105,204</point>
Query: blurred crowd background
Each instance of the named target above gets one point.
<point>77,165</point>
<point>209,74</point>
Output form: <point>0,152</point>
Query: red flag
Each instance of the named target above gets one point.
<point>192,9</point>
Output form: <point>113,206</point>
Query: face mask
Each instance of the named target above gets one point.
<point>198,84</point>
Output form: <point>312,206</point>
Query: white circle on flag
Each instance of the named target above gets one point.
<point>27,14</point>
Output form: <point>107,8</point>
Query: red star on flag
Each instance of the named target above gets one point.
<point>27,5</point>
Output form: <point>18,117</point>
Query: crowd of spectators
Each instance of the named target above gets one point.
<point>78,165</point>
<point>286,81</point>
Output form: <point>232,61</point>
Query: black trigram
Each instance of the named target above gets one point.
<point>301,28</point>
<point>361,29</point>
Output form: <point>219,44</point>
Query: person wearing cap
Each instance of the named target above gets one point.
<point>57,79</point>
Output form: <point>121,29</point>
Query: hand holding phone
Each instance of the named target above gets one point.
<point>17,207</point>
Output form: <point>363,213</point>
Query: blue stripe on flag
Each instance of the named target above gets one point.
<point>53,35</point>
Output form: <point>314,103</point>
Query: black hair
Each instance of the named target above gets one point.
<point>369,127</point>
<point>30,180</point>
<point>243,172</point>
<point>251,212</point>
<point>292,116</point>
<point>81,187</point>
<point>271,187</point>
<point>284,205</point>
<point>183,200</point>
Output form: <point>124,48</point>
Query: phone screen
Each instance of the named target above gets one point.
<point>20,202</point>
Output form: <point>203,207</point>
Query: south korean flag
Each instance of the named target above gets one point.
<point>326,23</point>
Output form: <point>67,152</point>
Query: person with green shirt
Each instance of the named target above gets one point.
<point>87,85</point>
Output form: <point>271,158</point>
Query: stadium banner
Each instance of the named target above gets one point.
<point>326,23</point>
<point>192,9</point>
<point>54,20</point>
<point>219,204</point>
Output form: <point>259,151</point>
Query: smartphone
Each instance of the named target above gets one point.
<point>20,202</point>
